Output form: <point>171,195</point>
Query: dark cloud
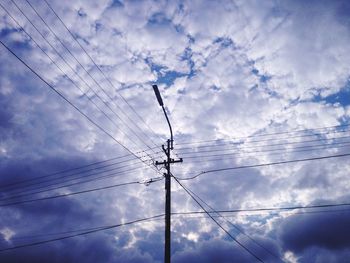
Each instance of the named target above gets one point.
<point>319,255</point>
<point>18,169</point>
<point>93,248</point>
<point>220,251</point>
<point>327,230</point>
<point>215,52</point>
<point>152,242</point>
<point>6,114</point>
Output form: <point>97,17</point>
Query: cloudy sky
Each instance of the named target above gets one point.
<point>245,83</point>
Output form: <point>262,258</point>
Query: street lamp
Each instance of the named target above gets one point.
<point>160,101</point>
<point>167,176</point>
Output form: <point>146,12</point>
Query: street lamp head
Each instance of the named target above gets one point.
<point>159,98</point>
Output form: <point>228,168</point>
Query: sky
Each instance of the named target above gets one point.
<point>244,83</point>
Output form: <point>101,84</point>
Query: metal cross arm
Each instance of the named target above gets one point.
<point>171,161</point>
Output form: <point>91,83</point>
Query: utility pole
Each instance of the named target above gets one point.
<point>167,175</point>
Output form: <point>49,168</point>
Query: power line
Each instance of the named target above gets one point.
<point>188,214</point>
<point>264,209</point>
<point>53,233</point>
<point>71,177</point>
<point>4,186</point>
<point>152,180</point>
<point>66,195</point>
<point>87,72</point>
<point>232,143</point>
<point>233,225</point>
<point>65,232</point>
<point>53,60</point>
<point>94,230</point>
<point>103,74</point>
<point>238,147</point>
<point>70,103</point>
<point>265,164</point>
<point>280,152</point>
<point>296,149</point>
<point>66,62</point>
<point>262,213</point>
<point>268,134</point>
<point>209,214</point>
<point>115,174</point>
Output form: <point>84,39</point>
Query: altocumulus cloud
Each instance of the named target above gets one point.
<point>226,70</point>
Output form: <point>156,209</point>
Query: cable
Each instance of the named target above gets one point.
<point>265,213</point>
<point>304,148</point>
<point>94,230</point>
<point>4,186</point>
<point>108,80</point>
<point>228,156</point>
<point>71,177</point>
<point>116,174</point>
<point>233,225</point>
<point>70,103</point>
<point>152,180</point>
<point>231,143</point>
<point>268,134</point>
<point>75,72</point>
<point>267,209</point>
<point>259,146</point>
<point>265,164</point>
<point>87,72</point>
<point>216,222</point>
<point>176,214</point>
<point>65,195</point>
<point>64,232</point>
<point>181,214</point>
<point>28,191</point>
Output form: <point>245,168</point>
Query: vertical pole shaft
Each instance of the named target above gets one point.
<point>167,207</point>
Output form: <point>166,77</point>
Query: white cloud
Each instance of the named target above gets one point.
<point>249,66</point>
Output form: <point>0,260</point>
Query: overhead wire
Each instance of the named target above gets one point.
<point>190,216</point>
<point>264,164</point>
<point>93,230</point>
<point>294,149</point>
<point>100,70</point>
<point>266,213</point>
<point>230,158</point>
<point>45,189</point>
<point>217,223</point>
<point>240,146</point>
<point>71,176</point>
<point>71,103</point>
<point>73,70</point>
<point>268,209</point>
<point>240,143</point>
<point>316,149</point>
<point>233,225</point>
<point>136,156</point>
<point>305,148</point>
<point>95,81</point>
<point>266,134</point>
<point>144,182</point>
<point>70,79</point>
<point>13,183</point>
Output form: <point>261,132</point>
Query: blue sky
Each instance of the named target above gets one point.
<point>230,73</point>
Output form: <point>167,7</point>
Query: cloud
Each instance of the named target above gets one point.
<point>220,251</point>
<point>317,237</point>
<point>226,70</point>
